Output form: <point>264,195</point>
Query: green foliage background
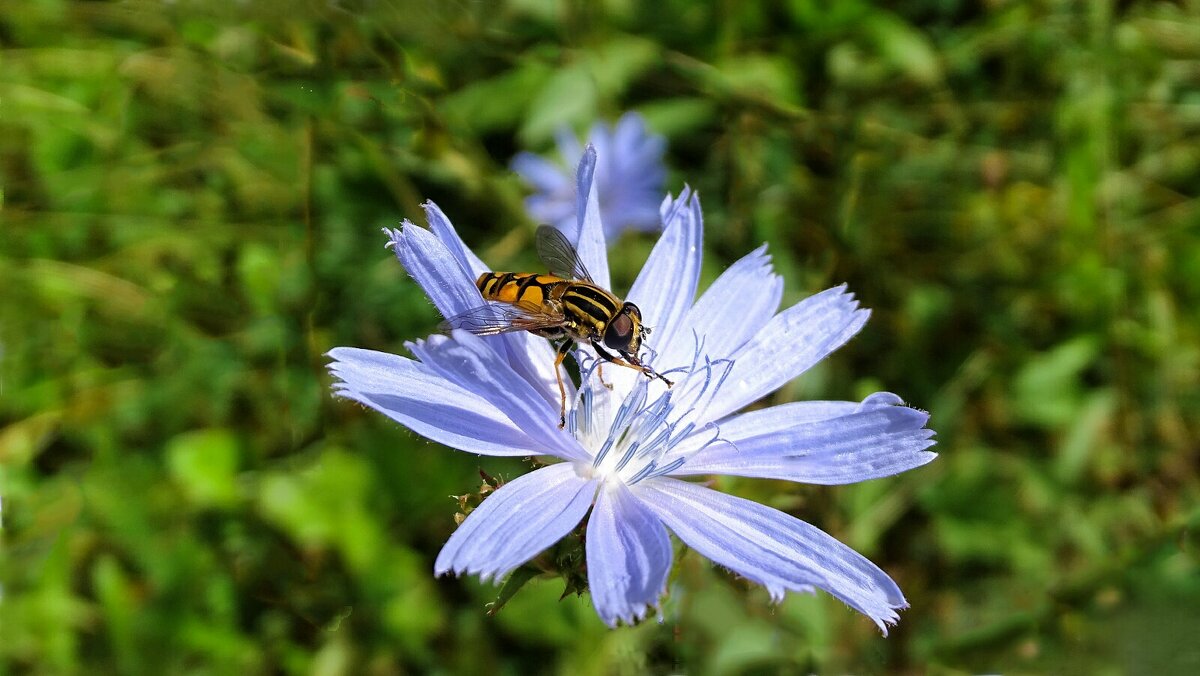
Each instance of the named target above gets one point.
<point>191,195</point>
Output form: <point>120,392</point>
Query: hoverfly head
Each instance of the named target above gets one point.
<point>625,331</point>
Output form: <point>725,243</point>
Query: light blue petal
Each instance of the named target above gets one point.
<point>471,364</point>
<point>640,215</point>
<point>517,522</point>
<point>628,175</point>
<point>775,419</point>
<point>412,394</point>
<point>598,138</point>
<point>541,174</point>
<point>441,228</point>
<point>774,549</point>
<point>632,141</point>
<point>770,420</point>
<point>877,438</point>
<point>450,286</point>
<point>666,287</point>
<point>628,556</point>
<point>632,182</point>
<point>568,146</point>
<point>531,356</point>
<point>590,241</point>
<point>787,346</point>
<point>553,210</point>
<point>665,206</point>
<point>730,312</point>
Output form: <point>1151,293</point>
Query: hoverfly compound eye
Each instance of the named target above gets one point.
<point>619,332</point>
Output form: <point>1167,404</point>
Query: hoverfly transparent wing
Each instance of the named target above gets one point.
<point>494,318</point>
<point>559,254</point>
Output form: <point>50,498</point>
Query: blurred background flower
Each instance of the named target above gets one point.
<point>630,177</point>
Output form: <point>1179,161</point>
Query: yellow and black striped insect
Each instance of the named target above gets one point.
<point>565,306</point>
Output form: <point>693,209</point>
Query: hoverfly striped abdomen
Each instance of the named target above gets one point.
<point>526,288</point>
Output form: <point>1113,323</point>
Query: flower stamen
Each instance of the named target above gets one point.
<point>648,432</point>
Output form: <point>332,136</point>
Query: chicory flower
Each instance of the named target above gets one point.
<point>627,452</point>
<point>629,177</point>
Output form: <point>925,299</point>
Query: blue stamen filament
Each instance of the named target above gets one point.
<point>649,432</point>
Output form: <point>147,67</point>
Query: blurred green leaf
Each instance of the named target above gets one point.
<point>905,48</point>
<point>512,584</point>
<point>620,60</point>
<point>537,614</point>
<point>1047,390</point>
<point>679,117</point>
<point>322,506</point>
<point>765,76</point>
<point>1085,434</point>
<point>120,605</point>
<point>258,267</point>
<point>21,441</point>
<point>746,646</point>
<point>204,464</point>
<point>568,99</point>
<point>492,105</point>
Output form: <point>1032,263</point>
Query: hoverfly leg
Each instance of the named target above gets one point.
<point>655,374</point>
<point>600,375</point>
<point>563,350</point>
<point>629,362</point>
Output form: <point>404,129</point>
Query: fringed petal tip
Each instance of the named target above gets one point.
<point>886,616</point>
<point>890,618</point>
<point>485,575</point>
<point>337,369</point>
<point>841,296</point>
<point>634,614</point>
<point>430,341</point>
<point>339,384</point>
<point>394,235</point>
<point>671,205</point>
<point>438,222</point>
<point>905,419</point>
<point>627,611</point>
<point>778,594</point>
<point>848,300</point>
<point>774,592</point>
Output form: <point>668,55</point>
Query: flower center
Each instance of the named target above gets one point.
<point>635,442</point>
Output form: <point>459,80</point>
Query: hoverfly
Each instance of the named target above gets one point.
<point>565,306</point>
